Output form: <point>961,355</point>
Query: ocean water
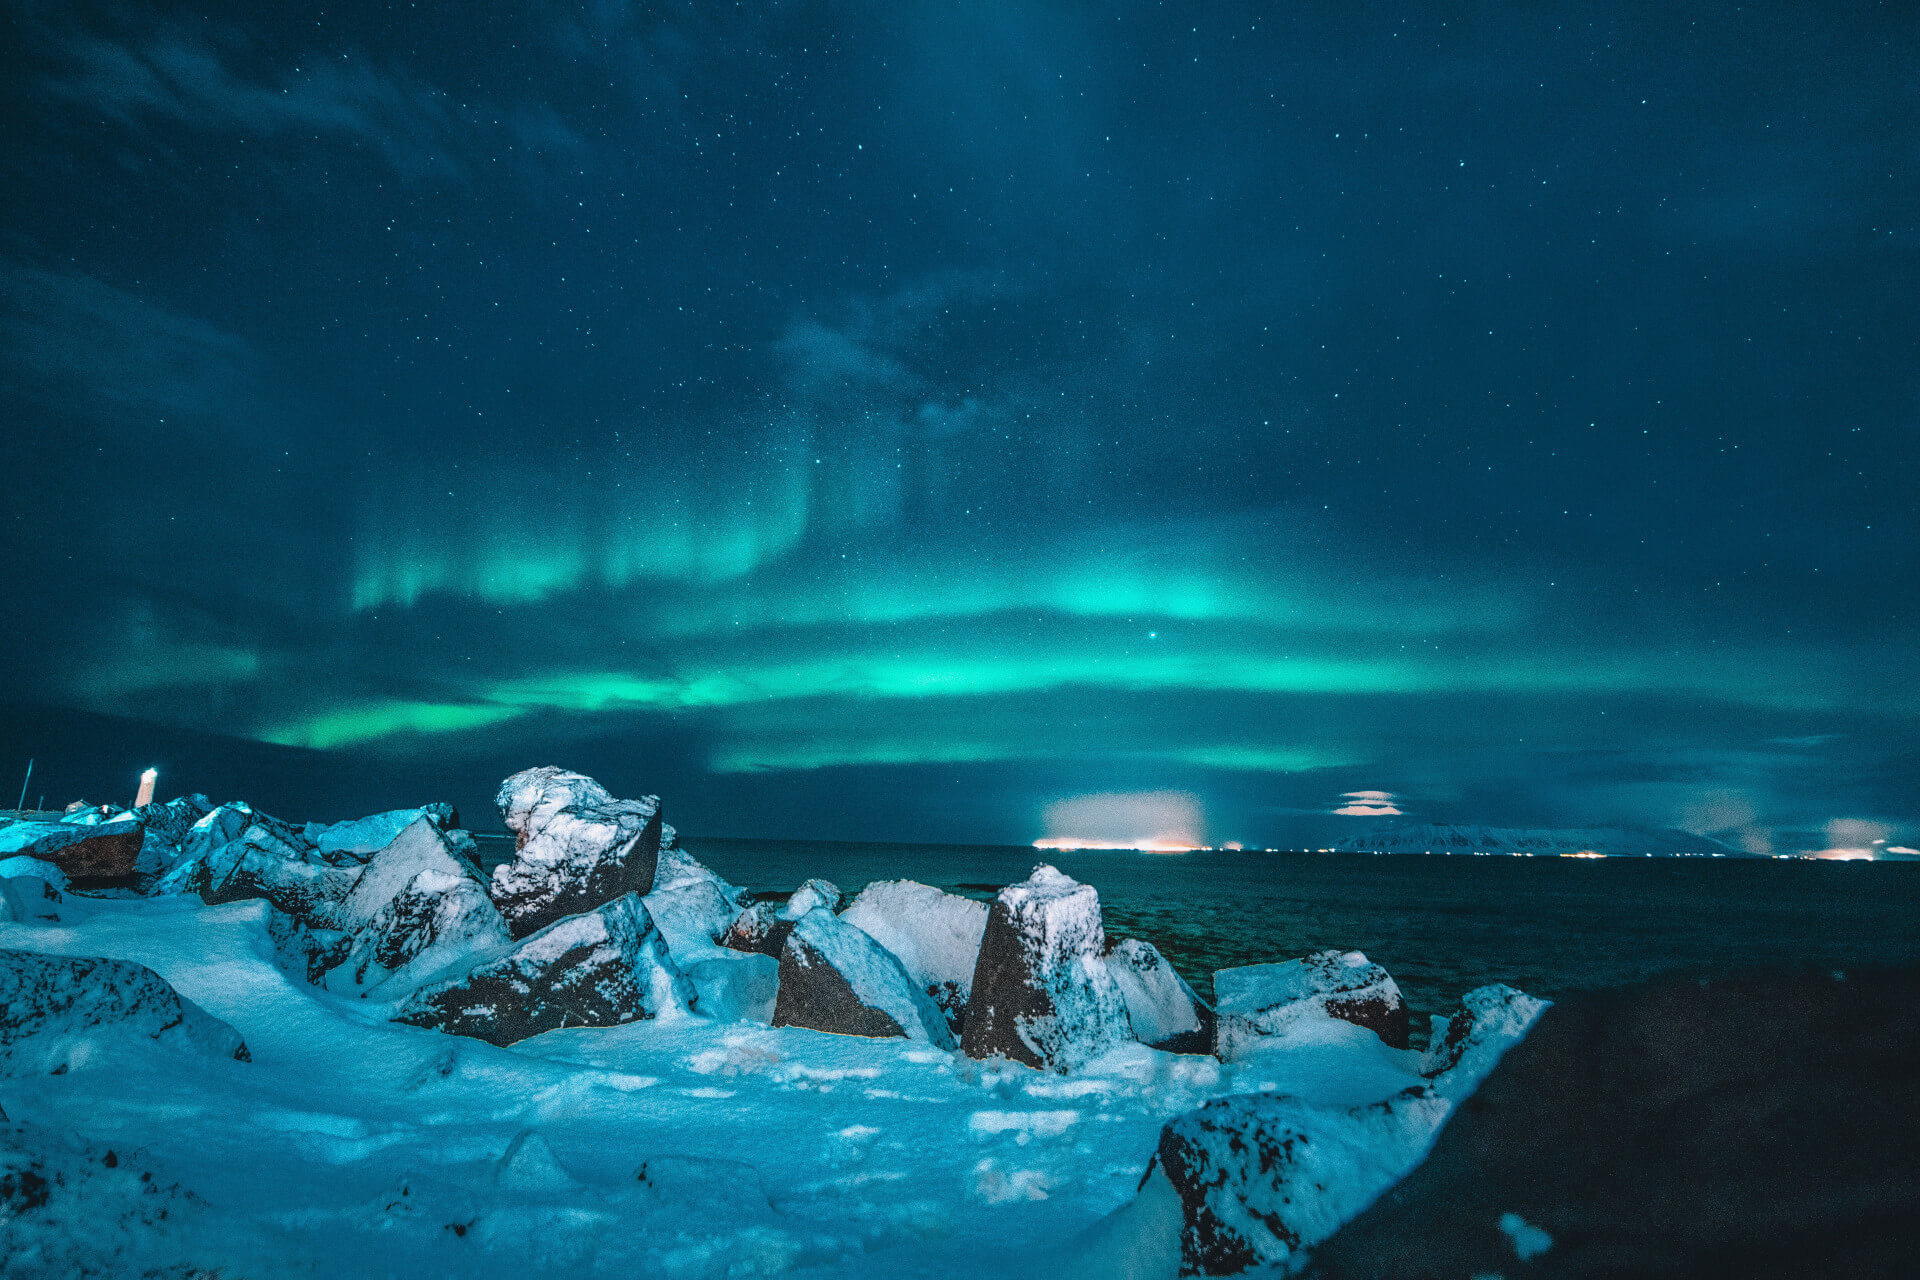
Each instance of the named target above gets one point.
<point>1441,925</point>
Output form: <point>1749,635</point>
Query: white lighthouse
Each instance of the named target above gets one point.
<point>146,788</point>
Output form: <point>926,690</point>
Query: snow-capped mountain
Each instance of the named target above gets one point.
<point>1473,837</point>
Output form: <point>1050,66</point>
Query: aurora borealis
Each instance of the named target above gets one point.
<point>898,420</point>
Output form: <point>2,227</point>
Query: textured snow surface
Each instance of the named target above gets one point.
<point>59,1010</point>
<point>1263,999</point>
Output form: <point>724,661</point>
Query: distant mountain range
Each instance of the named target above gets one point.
<point>1473,837</point>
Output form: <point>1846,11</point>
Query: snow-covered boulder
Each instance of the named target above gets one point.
<point>1263,999</point>
<point>689,904</point>
<point>360,838</point>
<point>168,822</point>
<point>82,814</point>
<point>577,847</point>
<point>38,868</point>
<point>1161,1007</point>
<point>28,900</point>
<point>1263,1176</point>
<point>83,851</point>
<point>303,950</point>
<point>596,969</point>
<point>1042,993</point>
<point>935,935</point>
<point>420,846</point>
<point>258,866</point>
<point>439,918</point>
<point>58,1011</point>
<point>833,977</point>
<point>758,928</point>
<point>1467,1045</point>
<point>814,893</point>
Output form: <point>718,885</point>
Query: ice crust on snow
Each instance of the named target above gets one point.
<point>1261,999</point>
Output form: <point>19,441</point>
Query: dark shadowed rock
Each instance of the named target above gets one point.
<point>1264,999</point>
<point>57,1011</point>
<point>430,925</point>
<point>1042,993</point>
<point>1742,1127</point>
<point>833,977</point>
<point>86,853</point>
<point>577,847</point>
<point>258,866</point>
<point>933,934</point>
<point>597,969</point>
<point>303,950</point>
<point>758,929</point>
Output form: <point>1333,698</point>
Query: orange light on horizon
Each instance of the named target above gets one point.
<point>1072,844</point>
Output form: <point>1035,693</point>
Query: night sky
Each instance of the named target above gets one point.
<point>892,420</point>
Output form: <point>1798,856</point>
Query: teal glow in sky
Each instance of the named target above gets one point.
<point>888,421</point>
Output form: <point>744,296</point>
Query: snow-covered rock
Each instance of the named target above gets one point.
<point>1161,1007</point>
<point>82,814</point>
<point>596,969</point>
<point>690,905</point>
<point>168,822</point>
<point>28,900</point>
<point>58,1011</point>
<point>38,868</point>
<point>420,846</point>
<point>1467,1045</point>
<point>1261,999</point>
<point>258,865</point>
<point>83,851</point>
<point>1263,1176</point>
<point>301,949</point>
<point>1042,993</point>
<point>758,928</point>
<point>361,838</point>
<point>438,919</point>
<point>814,893</point>
<point>934,934</point>
<point>577,847</point>
<point>833,977</point>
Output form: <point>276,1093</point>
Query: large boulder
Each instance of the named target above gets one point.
<point>420,846</point>
<point>1265,999</point>
<point>833,977</point>
<point>1467,1044</point>
<point>1161,1007</point>
<point>758,928</point>
<point>258,866</point>
<point>1263,1176</point>
<point>933,934</point>
<point>85,852</point>
<point>57,1012</point>
<point>28,900</point>
<point>1042,993</point>
<point>167,825</point>
<point>438,919</point>
<point>1763,1125</point>
<point>358,839</point>
<point>596,969</point>
<point>38,868</point>
<point>689,904</point>
<point>576,847</point>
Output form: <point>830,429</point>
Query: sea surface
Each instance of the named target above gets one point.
<point>1441,925</point>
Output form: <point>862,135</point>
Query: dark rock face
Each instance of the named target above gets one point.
<point>1263,999</point>
<point>51,1007</point>
<point>1741,1127</point>
<point>429,925</point>
<point>578,847</point>
<point>102,853</point>
<point>597,969</point>
<point>301,949</point>
<point>243,870</point>
<point>1261,1176</point>
<point>1042,994</point>
<point>758,929</point>
<point>833,977</point>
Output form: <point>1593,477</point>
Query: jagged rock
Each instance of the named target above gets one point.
<point>835,978</point>
<point>301,949</point>
<point>55,1011</point>
<point>420,846</point>
<point>814,893</point>
<point>759,929</point>
<point>170,821</point>
<point>28,900</point>
<point>1464,1047</point>
<point>84,852</point>
<point>1263,1176</point>
<point>1263,999</point>
<point>933,934</point>
<point>1161,1007</point>
<point>1042,993</point>
<point>252,867</point>
<point>690,905</point>
<point>360,838</point>
<point>577,847</point>
<point>82,814</point>
<point>429,926</point>
<point>1764,1125</point>
<point>596,969</point>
